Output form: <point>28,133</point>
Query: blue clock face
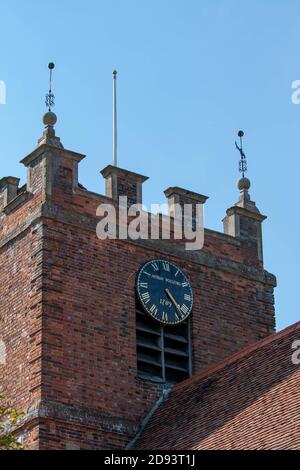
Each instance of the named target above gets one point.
<point>164,292</point>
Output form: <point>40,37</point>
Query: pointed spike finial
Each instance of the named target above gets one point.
<point>50,99</point>
<point>115,132</point>
<point>243,161</point>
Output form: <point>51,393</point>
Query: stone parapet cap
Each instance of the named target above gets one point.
<point>77,157</point>
<point>111,170</point>
<point>12,180</point>
<point>185,194</point>
<point>237,210</point>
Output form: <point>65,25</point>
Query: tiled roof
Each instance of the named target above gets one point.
<point>248,401</point>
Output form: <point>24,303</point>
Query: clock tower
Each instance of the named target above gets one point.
<point>95,332</point>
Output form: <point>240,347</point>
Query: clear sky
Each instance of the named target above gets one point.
<point>191,73</point>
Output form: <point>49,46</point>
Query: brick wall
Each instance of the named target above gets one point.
<point>68,311</point>
<point>21,305</point>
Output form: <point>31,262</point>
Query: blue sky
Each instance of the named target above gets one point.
<point>191,73</point>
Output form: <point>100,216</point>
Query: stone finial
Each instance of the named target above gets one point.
<point>49,137</point>
<point>50,119</point>
<point>244,184</point>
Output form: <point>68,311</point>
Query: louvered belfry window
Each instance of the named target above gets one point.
<point>163,351</point>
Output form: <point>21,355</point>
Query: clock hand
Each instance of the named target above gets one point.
<point>173,300</point>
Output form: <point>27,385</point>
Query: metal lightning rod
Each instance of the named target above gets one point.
<point>115,132</point>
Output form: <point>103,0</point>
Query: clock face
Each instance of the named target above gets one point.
<point>164,292</point>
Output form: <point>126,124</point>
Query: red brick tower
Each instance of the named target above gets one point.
<point>78,354</point>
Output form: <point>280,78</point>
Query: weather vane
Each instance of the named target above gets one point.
<point>115,131</point>
<point>50,96</point>
<point>243,162</point>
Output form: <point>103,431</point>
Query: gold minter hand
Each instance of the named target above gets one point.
<point>173,300</point>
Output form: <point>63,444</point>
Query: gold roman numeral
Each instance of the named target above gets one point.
<point>144,285</point>
<point>154,310</point>
<point>184,309</point>
<point>164,317</point>
<point>166,267</point>
<point>145,297</point>
<point>155,266</point>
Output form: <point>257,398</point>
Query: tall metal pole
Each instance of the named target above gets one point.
<point>115,133</point>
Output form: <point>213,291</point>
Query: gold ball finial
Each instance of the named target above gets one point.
<point>243,184</point>
<point>49,119</point>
